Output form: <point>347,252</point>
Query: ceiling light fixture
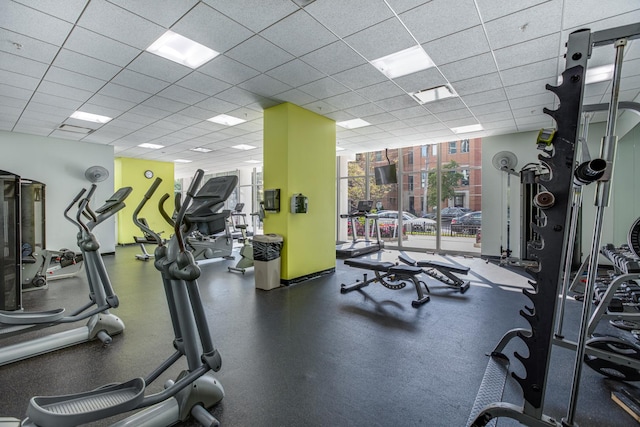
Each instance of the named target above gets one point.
<point>149,145</point>
<point>434,94</point>
<point>353,123</point>
<point>596,74</point>
<point>252,161</point>
<point>405,62</point>
<point>201,150</point>
<point>339,149</point>
<point>181,161</point>
<point>226,120</point>
<point>243,147</point>
<point>467,129</point>
<point>95,118</point>
<point>177,48</point>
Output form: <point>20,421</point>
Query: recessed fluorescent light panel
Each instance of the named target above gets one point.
<point>252,161</point>
<point>405,62</point>
<point>75,129</point>
<point>599,74</point>
<point>434,94</point>
<point>182,50</point>
<point>201,150</point>
<point>226,120</point>
<point>181,161</point>
<point>95,118</point>
<point>149,145</point>
<point>243,147</point>
<point>353,124</point>
<point>467,129</point>
<point>339,149</point>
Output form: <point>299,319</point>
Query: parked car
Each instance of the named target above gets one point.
<point>467,224</point>
<point>409,220</point>
<point>447,213</point>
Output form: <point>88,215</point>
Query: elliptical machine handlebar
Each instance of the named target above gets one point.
<point>84,206</point>
<point>197,179</point>
<point>144,200</point>
<point>163,212</point>
<point>72,204</point>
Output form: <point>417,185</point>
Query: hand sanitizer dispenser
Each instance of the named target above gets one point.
<point>299,203</point>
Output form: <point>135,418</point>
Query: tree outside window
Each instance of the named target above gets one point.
<point>450,180</point>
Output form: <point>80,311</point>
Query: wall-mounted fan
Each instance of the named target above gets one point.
<point>96,174</point>
<point>505,161</point>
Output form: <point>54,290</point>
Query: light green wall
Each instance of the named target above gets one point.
<point>130,173</point>
<point>625,201</point>
<point>300,157</point>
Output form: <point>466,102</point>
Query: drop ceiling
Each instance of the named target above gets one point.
<point>57,57</point>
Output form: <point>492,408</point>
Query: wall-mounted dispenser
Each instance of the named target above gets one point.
<point>299,203</point>
<point>272,200</point>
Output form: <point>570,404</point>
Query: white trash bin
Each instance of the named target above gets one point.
<point>266,260</point>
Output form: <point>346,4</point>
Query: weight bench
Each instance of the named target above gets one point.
<point>389,275</point>
<point>441,272</point>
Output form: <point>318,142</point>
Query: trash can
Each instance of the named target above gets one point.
<point>266,260</point>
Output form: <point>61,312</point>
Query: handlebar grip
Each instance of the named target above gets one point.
<point>153,188</point>
<point>197,179</point>
<point>91,191</point>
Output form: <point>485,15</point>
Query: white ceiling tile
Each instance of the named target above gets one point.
<point>162,12</point>
<point>228,70</point>
<point>53,99</point>
<point>70,78</point>
<point>18,64</point>
<point>439,18</point>
<point>582,12</point>
<point>491,9</point>
<point>69,13</point>
<point>203,83</point>
<point>460,114</point>
<point>259,54</point>
<point>262,85</point>
<point>136,121</point>
<point>424,79</point>
<point>447,49</point>
<point>333,58</point>
<point>320,107</point>
<point>33,23</point>
<point>532,23</point>
<point>487,97</point>
<point>346,100</point>
<point>494,107</point>
<point>100,47</point>
<point>535,87</point>
<point>158,67</point>
<point>346,18</point>
<point>27,47</point>
<point>295,96</point>
<point>183,119</point>
<point>139,81</point>
<point>18,80</point>
<point>469,67</point>
<point>382,39</point>
<point>396,103</point>
<point>400,6</point>
<point>263,13</point>
<point>324,88</point>
<point>424,119</point>
<point>340,116</point>
<point>158,107</point>
<point>66,135</point>
<point>377,119</point>
<point>529,101</point>
<point>122,25</point>
<point>519,113</point>
<point>386,89</point>
<point>365,110</point>
<point>527,52</point>
<point>211,28</point>
<point>86,65</point>
<point>411,112</point>
<point>298,34</point>
<point>181,94</point>
<point>477,84</point>
<point>122,92</point>
<point>68,92</point>
<point>495,117</point>
<point>527,73</point>
<point>12,102</point>
<point>360,76</point>
<point>448,104</point>
<point>295,73</point>
<point>216,106</point>
<point>53,114</point>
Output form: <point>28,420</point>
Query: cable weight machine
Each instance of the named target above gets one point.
<point>555,201</point>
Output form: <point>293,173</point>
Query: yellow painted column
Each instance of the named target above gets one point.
<point>300,157</point>
<point>131,173</point>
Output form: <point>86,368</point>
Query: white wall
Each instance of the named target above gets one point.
<point>60,164</point>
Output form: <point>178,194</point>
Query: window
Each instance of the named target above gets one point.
<point>452,147</point>
<point>465,177</point>
<point>423,179</point>
<point>424,152</point>
<point>459,200</point>
<point>410,182</point>
<point>434,149</point>
<point>378,156</point>
<point>464,146</point>
<point>410,157</point>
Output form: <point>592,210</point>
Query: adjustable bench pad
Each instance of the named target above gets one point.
<point>369,265</point>
<point>434,264</point>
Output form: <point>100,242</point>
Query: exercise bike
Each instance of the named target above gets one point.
<point>246,252</point>
<point>100,323</point>
<point>195,389</point>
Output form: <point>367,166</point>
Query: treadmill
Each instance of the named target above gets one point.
<point>356,247</point>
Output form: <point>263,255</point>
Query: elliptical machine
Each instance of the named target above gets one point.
<point>100,323</point>
<point>195,389</point>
